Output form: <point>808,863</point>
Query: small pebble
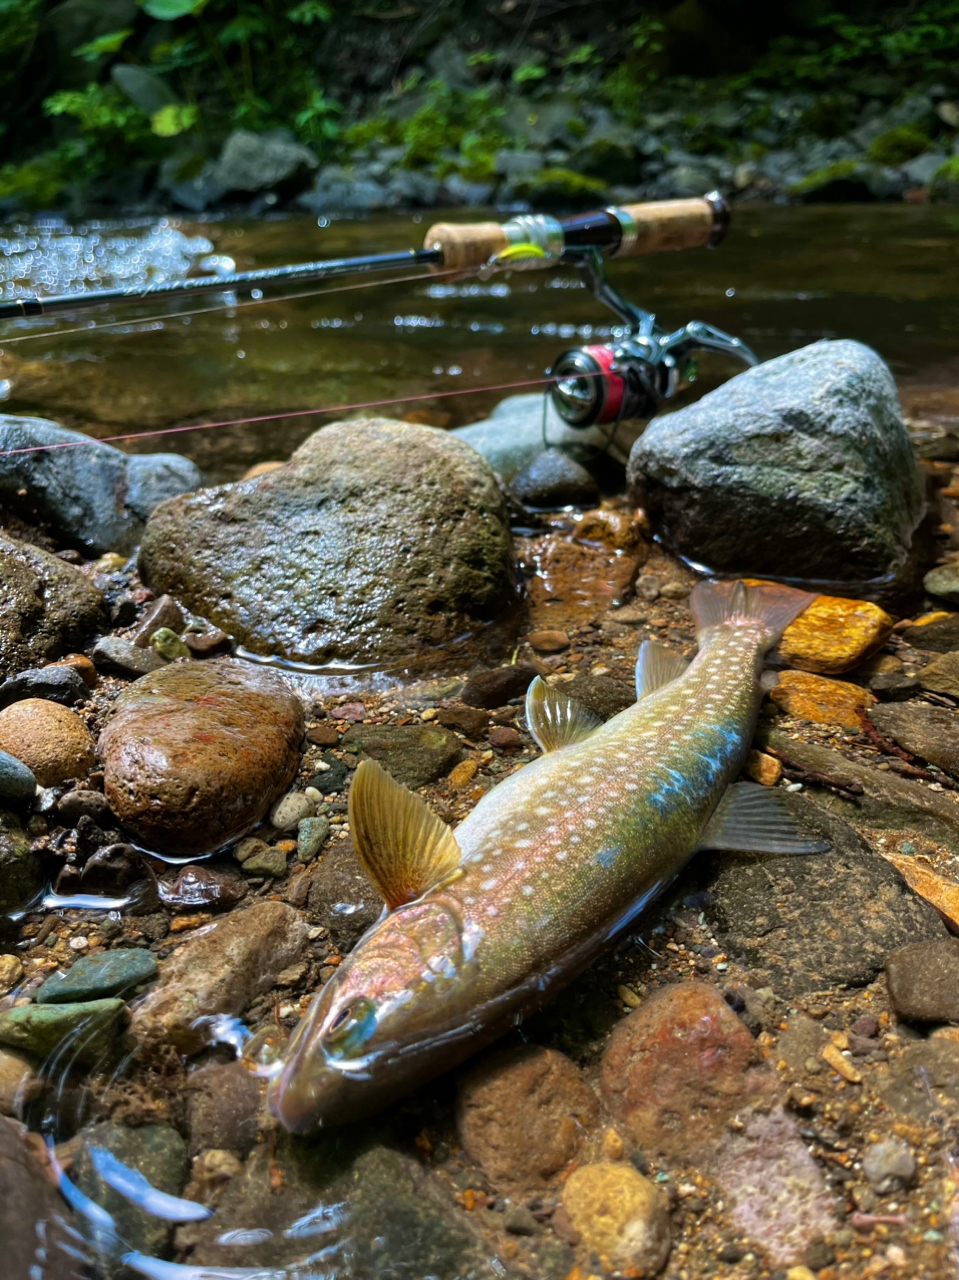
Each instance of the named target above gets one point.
<point>11,971</point>
<point>504,737</point>
<point>674,591</point>
<point>462,775</point>
<point>548,641</point>
<point>271,862</point>
<point>168,644</point>
<point>117,656</point>
<point>249,848</point>
<point>82,665</point>
<point>291,809</point>
<point>166,613</point>
<point>764,769</point>
<point>18,786</point>
<point>889,1165</point>
<point>311,834</point>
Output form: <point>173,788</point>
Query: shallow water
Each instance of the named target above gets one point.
<point>786,276</point>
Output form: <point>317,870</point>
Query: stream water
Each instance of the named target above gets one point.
<point>786,276</point>
<point>439,352</point>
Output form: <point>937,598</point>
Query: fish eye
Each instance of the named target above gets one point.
<point>351,1026</point>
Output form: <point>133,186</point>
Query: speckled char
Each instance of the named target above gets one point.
<point>195,754</point>
<point>552,864</point>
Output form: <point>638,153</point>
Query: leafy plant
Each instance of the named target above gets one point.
<point>111,43</point>
<point>527,71</point>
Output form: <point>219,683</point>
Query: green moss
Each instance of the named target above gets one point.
<point>556,186</point>
<point>898,145</point>
<point>839,171</point>
<point>828,117</point>
<point>38,182</point>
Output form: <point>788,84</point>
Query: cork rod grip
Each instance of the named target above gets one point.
<point>466,245</point>
<point>670,224</point>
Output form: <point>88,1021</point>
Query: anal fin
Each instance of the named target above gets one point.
<point>404,848</point>
<point>554,720</point>
<point>755,819</point>
<point>656,666</point>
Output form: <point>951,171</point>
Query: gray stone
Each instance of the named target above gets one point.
<point>889,1165</point>
<point>807,922</point>
<point>144,89</point>
<point>512,436</point>
<point>939,636</point>
<point>219,971</point>
<point>91,1025</point>
<point>341,897</point>
<point>413,754</point>
<point>34,1219</point>
<point>941,675</point>
<point>412,187</point>
<point>888,801</point>
<point>158,1153</point>
<point>923,980</point>
<point>258,161</point>
<point>923,1082</point>
<point>93,495</point>
<point>18,786</point>
<point>54,684</point>
<point>932,733</point>
<point>117,656</point>
<point>190,181</point>
<point>336,190</point>
<point>509,164</point>
<point>22,873</point>
<point>810,454</point>
<point>462,191</point>
<point>944,581</point>
<point>49,607</point>
<point>554,479</point>
<point>377,540</point>
<point>290,809</point>
<point>108,973</point>
<point>311,835</point>
<point>921,171</point>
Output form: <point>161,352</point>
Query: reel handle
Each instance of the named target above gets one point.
<point>623,231</point>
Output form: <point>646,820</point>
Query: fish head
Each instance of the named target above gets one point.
<point>367,1033</point>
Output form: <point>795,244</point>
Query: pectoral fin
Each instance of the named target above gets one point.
<point>656,666</point>
<point>404,847</point>
<point>554,720</point>
<point>754,819</point>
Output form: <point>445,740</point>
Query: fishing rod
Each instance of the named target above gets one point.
<point>589,385</point>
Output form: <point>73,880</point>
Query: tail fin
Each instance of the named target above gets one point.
<point>770,603</point>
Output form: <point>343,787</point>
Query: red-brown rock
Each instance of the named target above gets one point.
<point>195,754</point>
<point>523,1114</point>
<point>676,1069</point>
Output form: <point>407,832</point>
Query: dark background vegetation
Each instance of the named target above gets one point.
<point>99,95</point>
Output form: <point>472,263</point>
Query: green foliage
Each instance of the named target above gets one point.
<point>174,119</point>
<point>448,120</point>
<point>170,10</point>
<point>898,145</point>
<point>39,182</point>
<point>110,43</point>
<point>101,111</point>
<point>527,71</point>
<point>841,170</point>
<point>309,12</point>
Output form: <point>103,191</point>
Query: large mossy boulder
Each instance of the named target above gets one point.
<point>376,541</point>
<point>800,467</point>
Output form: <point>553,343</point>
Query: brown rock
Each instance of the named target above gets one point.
<point>195,754</point>
<point>932,733</point>
<point>548,641</point>
<point>165,613</point>
<point>207,644</point>
<point>323,735</point>
<point>620,1215</point>
<point>82,665</point>
<point>48,606</point>
<point>942,674</point>
<point>220,971</point>
<point>470,721</point>
<point>260,469</point>
<point>51,740</point>
<point>618,530</point>
<point>223,1107</point>
<point>935,632</point>
<point>463,774</point>
<point>18,1082</point>
<point>36,1231</point>
<point>834,635</point>
<point>523,1114</point>
<point>923,980</point>
<point>676,1069</point>
<point>495,688</point>
<point>504,737</point>
<point>819,700</point>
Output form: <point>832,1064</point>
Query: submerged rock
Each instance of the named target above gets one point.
<point>195,754</point>
<point>38,1239</point>
<point>93,494</point>
<point>414,754</point>
<point>22,873</point>
<point>109,973</point>
<point>92,1025</point>
<point>620,1214</point>
<point>219,971</point>
<point>931,733</point>
<point>341,896</point>
<point>18,785</point>
<point>378,539</point>
<point>923,980</point>
<point>801,466</point>
<point>523,1114</point>
<point>49,606</point>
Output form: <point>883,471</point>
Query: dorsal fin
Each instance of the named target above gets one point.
<point>656,666</point>
<point>555,720</point>
<point>754,819</point>
<point>404,847</point>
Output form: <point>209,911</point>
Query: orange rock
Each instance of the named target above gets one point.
<point>548,641</point>
<point>614,529</point>
<point>259,469</point>
<point>463,774</point>
<point>939,892</point>
<point>834,635</point>
<point>821,701</point>
<point>83,667</point>
<point>762,768</point>
<point>51,740</point>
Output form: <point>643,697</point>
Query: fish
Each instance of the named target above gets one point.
<point>483,924</point>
